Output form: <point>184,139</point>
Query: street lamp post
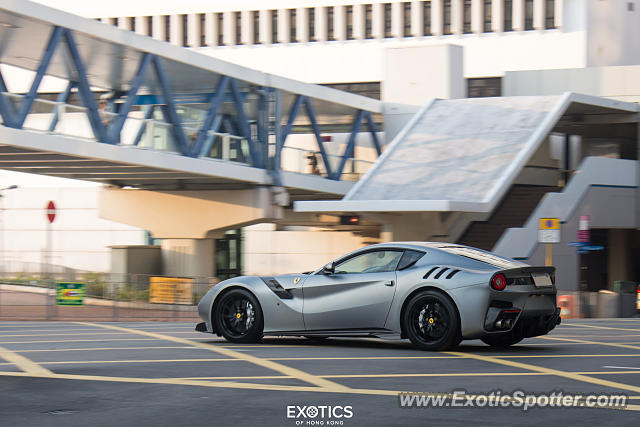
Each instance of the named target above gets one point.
<point>2,260</point>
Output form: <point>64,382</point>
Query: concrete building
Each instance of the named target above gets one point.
<point>406,53</point>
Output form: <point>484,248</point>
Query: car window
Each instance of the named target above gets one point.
<point>409,259</point>
<point>370,262</point>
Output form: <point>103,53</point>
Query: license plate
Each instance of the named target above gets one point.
<point>541,279</point>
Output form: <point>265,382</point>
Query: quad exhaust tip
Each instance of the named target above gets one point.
<point>504,323</point>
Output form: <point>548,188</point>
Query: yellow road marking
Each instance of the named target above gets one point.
<point>610,344</point>
<point>268,364</point>
<point>23,363</point>
<point>528,367</point>
<point>62,334</point>
<point>66,341</point>
<point>457,374</point>
<point>607,327</point>
<point>222,384</point>
<point>97,349</point>
<point>236,385</point>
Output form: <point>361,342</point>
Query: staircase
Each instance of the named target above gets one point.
<point>513,211</point>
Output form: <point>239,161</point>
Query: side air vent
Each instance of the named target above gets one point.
<point>441,272</point>
<point>277,288</point>
<point>453,273</point>
<point>426,276</point>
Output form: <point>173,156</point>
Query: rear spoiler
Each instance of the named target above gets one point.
<point>525,271</point>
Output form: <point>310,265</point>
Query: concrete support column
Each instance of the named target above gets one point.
<point>457,16</point>
<point>142,25</point>
<point>188,257</point>
<point>340,23</point>
<point>518,15</point>
<point>417,19</point>
<point>209,29</point>
<point>229,25</point>
<point>193,30</point>
<point>477,16</point>
<point>538,14</point>
<point>302,23</point>
<point>559,13</point>
<point>176,30</point>
<point>436,17</point>
<point>123,23</point>
<point>497,16</point>
<point>283,25</point>
<point>246,25</point>
<point>321,24</point>
<point>265,26</point>
<point>397,21</point>
<point>358,22</point>
<point>377,26</point>
<point>158,27</point>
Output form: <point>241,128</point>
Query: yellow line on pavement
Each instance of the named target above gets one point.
<point>61,334</point>
<point>84,362</point>
<point>607,327</point>
<point>529,367</point>
<point>100,349</point>
<point>22,362</point>
<point>609,344</point>
<point>268,364</point>
<point>66,341</point>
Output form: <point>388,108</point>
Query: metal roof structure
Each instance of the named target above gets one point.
<point>464,154</point>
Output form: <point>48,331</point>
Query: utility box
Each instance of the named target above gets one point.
<point>624,287</point>
<point>608,304</point>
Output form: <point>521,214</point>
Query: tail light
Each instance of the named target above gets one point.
<point>553,277</point>
<point>498,282</point>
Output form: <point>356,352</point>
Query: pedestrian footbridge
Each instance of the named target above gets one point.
<point>131,111</point>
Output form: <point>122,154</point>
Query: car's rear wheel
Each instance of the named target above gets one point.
<point>238,316</point>
<point>501,340</point>
<point>430,320</point>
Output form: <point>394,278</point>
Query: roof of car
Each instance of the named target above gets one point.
<point>419,245</point>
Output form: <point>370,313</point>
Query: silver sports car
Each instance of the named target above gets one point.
<point>435,294</point>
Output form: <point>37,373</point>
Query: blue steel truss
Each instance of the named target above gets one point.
<point>227,90</point>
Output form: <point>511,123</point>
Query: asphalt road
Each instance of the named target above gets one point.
<point>166,374</point>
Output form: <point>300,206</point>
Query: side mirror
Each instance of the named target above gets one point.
<point>328,269</point>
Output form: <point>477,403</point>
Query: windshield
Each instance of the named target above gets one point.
<point>487,258</point>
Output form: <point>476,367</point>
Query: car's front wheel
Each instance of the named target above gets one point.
<point>430,320</point>
<point>238,316</point>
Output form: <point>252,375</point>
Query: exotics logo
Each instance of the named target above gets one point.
<point>319,415</point>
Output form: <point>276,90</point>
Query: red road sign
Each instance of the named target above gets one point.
<point>51,211</point>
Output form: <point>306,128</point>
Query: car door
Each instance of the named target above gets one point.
<point>357,295</point>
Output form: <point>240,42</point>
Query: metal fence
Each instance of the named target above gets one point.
<point>106,297</point>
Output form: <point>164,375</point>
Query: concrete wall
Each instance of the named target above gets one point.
<point>81,239</point>
<point>609,208</point>
<point>267,251</point>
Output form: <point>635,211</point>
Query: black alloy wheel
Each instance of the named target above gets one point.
<point>238,317</point>
<point>430,320</point>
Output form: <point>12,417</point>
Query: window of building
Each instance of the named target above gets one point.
<point>508,15</point>
<point>255,22</point>
<point>368,21</point>
<point>406,19</point>
<point>550,14</point>
<point>185,29</point>
<point>311,20</point>
<point>274,26</point>
<point>369,89</point>
<point>426,18</point>
<point>237,21</point>
<point>466,15</point>
<point>330,32</point>
<point>528,15</point>
<point>292,26</point>
<point>487,13</point>
<point>446,18</point>
<point>220,28</point>
<point>484,87</point>
<point>114,21</point>
<point>202,26</point>
<point>149,25</point>
<point>348,16</point>
<point>387,20</point>
<point>131,23</point>
<point>167,28</point>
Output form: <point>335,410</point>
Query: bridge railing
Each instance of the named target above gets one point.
<point>155,134</point>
